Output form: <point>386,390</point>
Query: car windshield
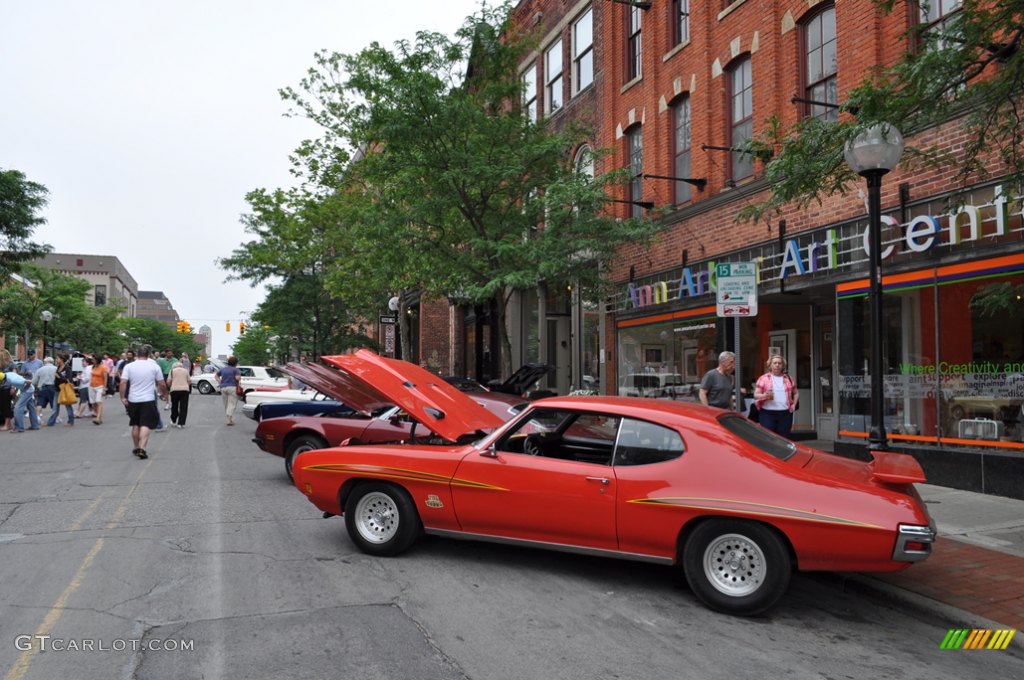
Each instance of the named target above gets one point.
<point>758,437</point>
<point>275,373</point>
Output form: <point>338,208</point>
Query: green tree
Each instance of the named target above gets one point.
<point>968,69</point>
<point>20,203</point>
<point>134,332</point>
<point>254,347</point>
<point>295,244</point>
<point>453,191</point>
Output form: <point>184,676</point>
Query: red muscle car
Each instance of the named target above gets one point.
<point>738,507</point>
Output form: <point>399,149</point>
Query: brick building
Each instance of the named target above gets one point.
<point>671,86</point>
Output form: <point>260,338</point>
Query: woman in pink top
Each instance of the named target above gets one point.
<point>776,397</point>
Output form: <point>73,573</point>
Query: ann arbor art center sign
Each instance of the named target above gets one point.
<point>921,234</point>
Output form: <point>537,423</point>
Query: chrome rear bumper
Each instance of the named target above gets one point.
<point>913,542</point>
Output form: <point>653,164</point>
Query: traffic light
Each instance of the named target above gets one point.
<point>181,326</point>
<point>188,328</point>
<point>227,327</point>
<point>241,328</point>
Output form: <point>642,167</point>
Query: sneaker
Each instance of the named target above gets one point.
<point>167,407</point>
<point>141,453</point>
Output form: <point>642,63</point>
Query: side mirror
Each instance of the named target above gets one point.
<point>489,452</point>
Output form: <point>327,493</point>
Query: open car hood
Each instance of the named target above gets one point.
<point>366,381</point>
<point>521,380</point>
<point>340,386</point>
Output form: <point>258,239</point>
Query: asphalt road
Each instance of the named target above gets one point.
<point>204,562</point>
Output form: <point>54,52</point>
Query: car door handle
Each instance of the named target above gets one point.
<point>603,480</point>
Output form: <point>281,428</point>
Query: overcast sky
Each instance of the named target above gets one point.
<point>149,121</point>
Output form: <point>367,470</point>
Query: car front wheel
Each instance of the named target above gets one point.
<point>306,442</point>
<point>736,567</point>
<point>381,519</point>
<point>205,387</point>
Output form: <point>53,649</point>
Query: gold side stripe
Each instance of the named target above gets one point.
<point>745,507</point>
<point>402,473</point>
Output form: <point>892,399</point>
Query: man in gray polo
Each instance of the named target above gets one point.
<point>716,385</point>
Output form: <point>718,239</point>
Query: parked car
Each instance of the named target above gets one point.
<point>318,407</point>
<point>258,402</point>
<point>674,483</point>
<point>252,378</point>
<point>658,386</point>
<point>372,416</point>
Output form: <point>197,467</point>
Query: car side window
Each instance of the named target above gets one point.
<point>245,372</point>
<point>642,443</point>
<point>569,435</point>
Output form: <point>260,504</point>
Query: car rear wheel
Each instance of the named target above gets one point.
<point>205,387</point>
<point>381,518</point>
<point>306,442</point>
<point>736,567</point>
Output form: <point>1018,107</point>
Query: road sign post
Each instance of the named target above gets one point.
<point>737,297</point>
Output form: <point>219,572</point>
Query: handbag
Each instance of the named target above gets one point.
<point>239,391</point>
<point>67,396</point>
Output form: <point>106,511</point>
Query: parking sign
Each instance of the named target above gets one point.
<point>737,288</point>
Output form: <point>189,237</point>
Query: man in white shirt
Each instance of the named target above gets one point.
<point>140,382</point>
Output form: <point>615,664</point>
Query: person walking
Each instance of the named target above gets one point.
<point>44,381</point>
<point>97,389</point>
<point>28,369</point>
<point>230,382</point>
<point>179,385</point>
<point>716,385</point>
<point>141,381</point>
<point>165,362</point>
<point>6,403</point>
<point>84,379</point>
<point>25,399</point>
<point>776,397</point>
<point>65,376</point>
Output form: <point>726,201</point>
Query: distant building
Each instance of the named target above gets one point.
<point>109,278</point>
<point>205,336</point>
<point>153,304</point>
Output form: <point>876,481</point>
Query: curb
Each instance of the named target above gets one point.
<point>916,604</point>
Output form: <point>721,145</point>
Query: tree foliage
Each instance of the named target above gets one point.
<point>449,189</point>
<point>294,246</point>
<point>20,203</point>
<point>968,69</point>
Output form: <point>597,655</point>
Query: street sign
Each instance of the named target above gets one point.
<point>737,288</point>
<point>388,319</point>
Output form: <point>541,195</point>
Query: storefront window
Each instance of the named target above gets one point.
<point>954,355</point>
<point>666,360</point>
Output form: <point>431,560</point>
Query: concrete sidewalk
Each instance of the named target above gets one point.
<point>975,574</point>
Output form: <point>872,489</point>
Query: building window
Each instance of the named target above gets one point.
<point>680,21</point>
<point>820,82</point>
<point>681,147</point>
<point>583,51</point>
<point>553,78</point>
<point>633,44</point>
<point>741,117</point>
<point>584,163</point>
<point>940,18</point>
<point>100,296</point>
<point>635,142</point>
<point>530,94</point>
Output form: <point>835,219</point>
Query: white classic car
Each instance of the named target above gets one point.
<point>252,377</point>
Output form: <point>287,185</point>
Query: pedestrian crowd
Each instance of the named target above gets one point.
<point>79,385</point>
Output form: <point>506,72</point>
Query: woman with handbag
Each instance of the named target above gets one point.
<point>67,396</point>
<point>230,387</point>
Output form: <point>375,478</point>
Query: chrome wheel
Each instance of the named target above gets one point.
<point>735,565</point>
<point>377,517</point>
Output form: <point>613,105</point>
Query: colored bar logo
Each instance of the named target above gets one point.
<point>978,638</point>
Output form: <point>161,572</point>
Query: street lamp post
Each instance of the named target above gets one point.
<point>47,317</point>
<point>871,154</point>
